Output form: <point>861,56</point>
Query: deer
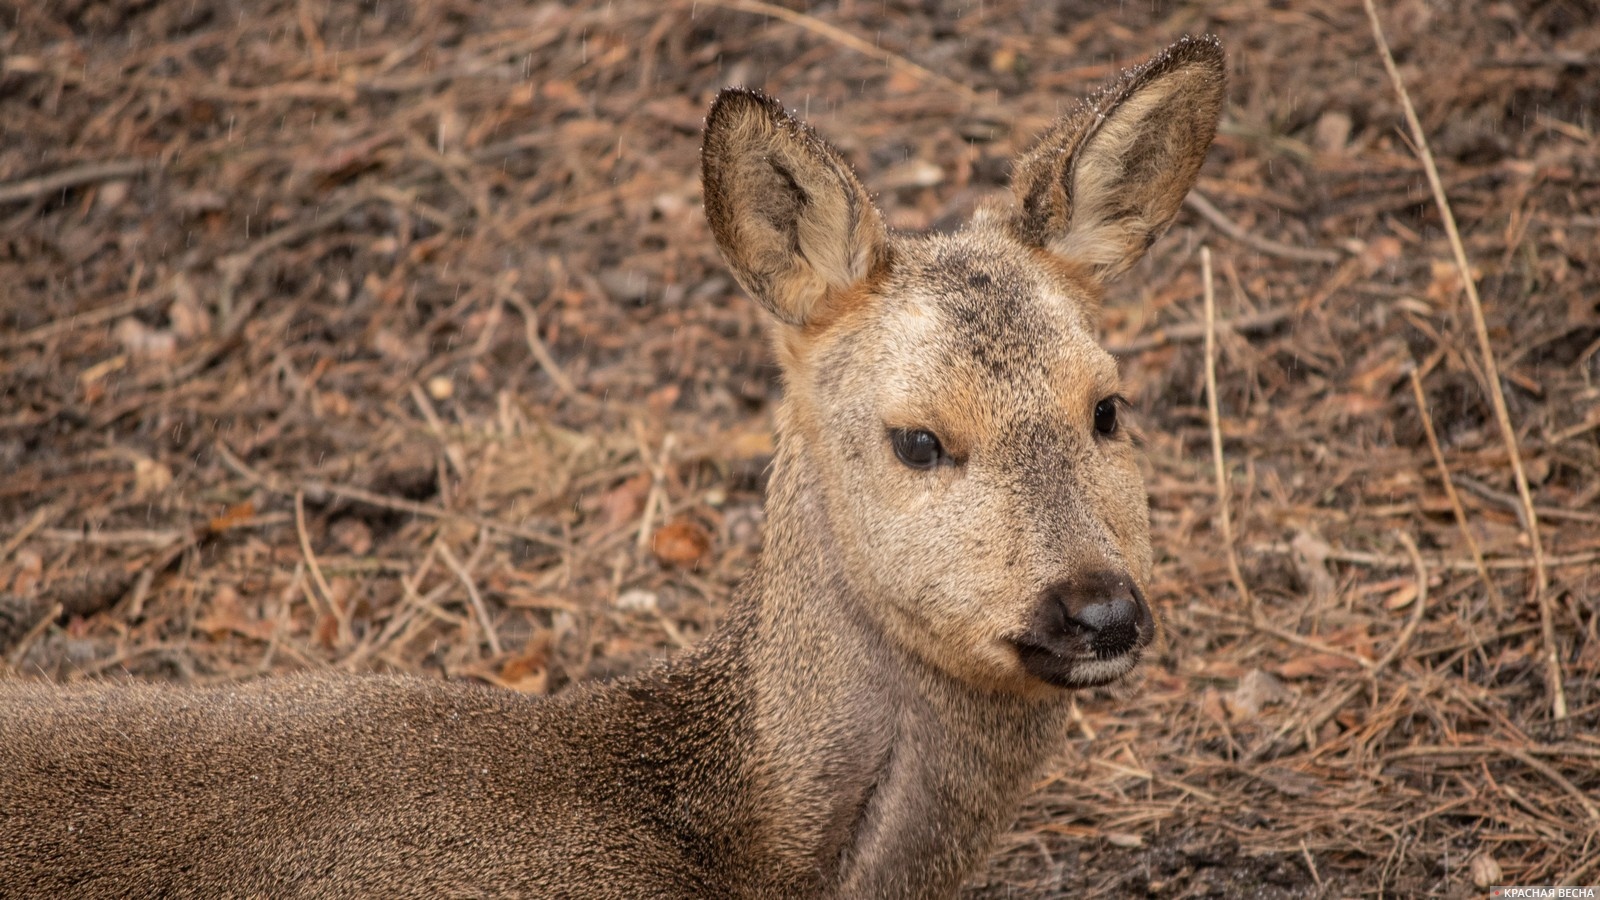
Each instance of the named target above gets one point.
<point>957,540</point>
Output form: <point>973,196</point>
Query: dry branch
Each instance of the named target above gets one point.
<point>1541,589</point>
<point>88,173</point>
<point>1219,466</point>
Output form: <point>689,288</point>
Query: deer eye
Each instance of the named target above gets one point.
<point>916,448</point>
<point>1105,416</point>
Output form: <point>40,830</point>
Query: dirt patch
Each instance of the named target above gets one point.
<point>391,336</point>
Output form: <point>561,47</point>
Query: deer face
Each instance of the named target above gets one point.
<point>948,393</point>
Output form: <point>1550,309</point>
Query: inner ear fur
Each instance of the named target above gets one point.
<point>1107,179</point>
<point>790,217</point>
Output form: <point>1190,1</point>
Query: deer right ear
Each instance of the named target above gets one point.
<point>1107,179</point>
<point>793,222</point>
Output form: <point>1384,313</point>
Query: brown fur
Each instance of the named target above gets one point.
<point>890,677</point>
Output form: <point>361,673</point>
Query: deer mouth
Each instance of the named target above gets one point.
<point>1068,667</point>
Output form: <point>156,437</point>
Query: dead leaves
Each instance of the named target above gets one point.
<point>1256,690</point>
<point>526,671</point>
<point>232,517</point>
<point>624,502</point>
<point>1316,665</point>
<point>227,613</point>
<point>681,542</point>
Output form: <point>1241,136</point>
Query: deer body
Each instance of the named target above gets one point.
<point>958,537</point>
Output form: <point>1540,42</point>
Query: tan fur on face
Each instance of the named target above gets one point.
<point>1007,376</point>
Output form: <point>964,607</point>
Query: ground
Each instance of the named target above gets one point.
<point>386,336</point>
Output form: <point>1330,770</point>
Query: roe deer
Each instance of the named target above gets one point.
<point>958,538</point>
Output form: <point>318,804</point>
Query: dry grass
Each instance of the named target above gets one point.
<point>392,337</point>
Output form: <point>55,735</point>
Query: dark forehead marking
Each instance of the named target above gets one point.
<point>991,306</point>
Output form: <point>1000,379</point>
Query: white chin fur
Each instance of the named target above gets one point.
<point>1100,672</point>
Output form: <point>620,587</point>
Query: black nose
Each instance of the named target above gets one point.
<point>1110,625</point>
<point>1102,609</point>
<point>1092,617</point>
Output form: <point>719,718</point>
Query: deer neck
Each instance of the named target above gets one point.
<point>882,776</point>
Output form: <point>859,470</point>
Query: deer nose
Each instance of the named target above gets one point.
<point>1110,625</point>
<point>1086,630</point>
<point>1104,610</point>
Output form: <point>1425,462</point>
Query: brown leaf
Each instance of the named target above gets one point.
<point>150,477</point>
<point>146,343</point>
<point>745,445</point>
<point>1311,561</point>
<point>528,671</point>
<point>326,634</point>
<point>1357,405</point>
<point>353,535</point>
<point>680,543</point>
<point>27,573</point>
<point>1315,665</point>
<point>1401,598</point>
<point>1485,870</point>
<point>226,615</point>
<point>232,517</point>
<point>661,399</point>
<point>1380,253</point>
<point>1256,690</point>
<point>1214,668</point>
<point>623,503</point>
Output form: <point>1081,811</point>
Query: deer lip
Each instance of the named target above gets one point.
<point>1070,667</point>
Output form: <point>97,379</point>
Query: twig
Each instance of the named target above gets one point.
<point>1216,437</point>
<point>33,524</point>
<point>1526,754</point>
<point>14,659</point>
<point>452,453</point>
<point>1513,503</point>
<point>1194,331</point>
<point>1541,592</point>
<point>415,604</point>
<point>1288,637</point>
<point>1419,606</point>
<point>139,536</point>
<point>381,501</point>
<point>1578,872</point>
<point>846,39</point>
<point>658,483</point>
<point>1197,202</point>
<point>1561,781</point>
<point>87,319</point>
<point>1311,863</point>
<point>1386,561</point>
<point>39,185</point>
<point>339,615</point>
<point>541,353</point>
<point>234,266</point>
<point>308,31</point>
<point>478,606</point>
<point>1314,722</point>
<point>1495,602</point>
<point>275,641</point>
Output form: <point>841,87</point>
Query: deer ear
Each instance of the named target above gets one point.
<point>1108,178</point>
<point>793,222</point>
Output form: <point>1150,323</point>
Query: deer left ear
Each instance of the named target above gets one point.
<point>794,224</point>
<point>1107,179</point>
